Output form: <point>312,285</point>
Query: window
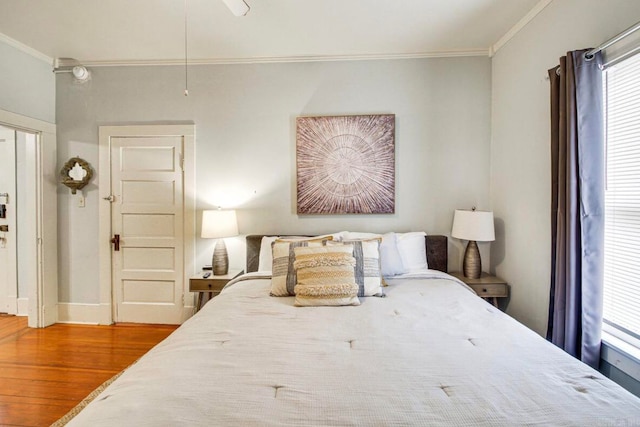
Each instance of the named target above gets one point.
<point>622,201</point>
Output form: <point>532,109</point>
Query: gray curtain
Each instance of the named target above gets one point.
<point>577,206</point>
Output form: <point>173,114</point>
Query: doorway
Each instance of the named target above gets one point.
<point>30,285</point>
<point>17,216</point>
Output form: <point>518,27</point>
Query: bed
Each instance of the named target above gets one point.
<point>430,352</point>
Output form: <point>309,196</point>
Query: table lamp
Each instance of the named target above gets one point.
<point>218,224</point>
<point>473,226</point>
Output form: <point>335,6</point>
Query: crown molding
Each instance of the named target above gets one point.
<point>519,26</point>
<point>491,51</point>
<point>26,49</point>
<point>275,59</point>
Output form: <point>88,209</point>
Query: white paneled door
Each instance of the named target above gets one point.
<point>147,223</point>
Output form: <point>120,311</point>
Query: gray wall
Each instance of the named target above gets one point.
<point>520,152</point>
<point>245,125</point>
<point>27,84</point>
<point>28,88</point>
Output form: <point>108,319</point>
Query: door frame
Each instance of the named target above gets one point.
<point>43,294</point>
<point>187,131</point>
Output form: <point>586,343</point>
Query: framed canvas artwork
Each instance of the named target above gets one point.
<point>345,164</point>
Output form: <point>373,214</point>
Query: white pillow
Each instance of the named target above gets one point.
<point>355,235</point>
<point>413,251</point>
<point>390,260</point>
<point>265,260</point>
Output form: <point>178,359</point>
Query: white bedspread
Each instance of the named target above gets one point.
<point>431,353</point>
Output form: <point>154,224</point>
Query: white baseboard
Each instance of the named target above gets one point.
<point>88,314</point>
<point>97,314</point>
<point>10,305</point>
<point>106,316</point>
<point>23,307</point>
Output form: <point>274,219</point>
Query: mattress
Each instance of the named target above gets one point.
<point>430,353</point>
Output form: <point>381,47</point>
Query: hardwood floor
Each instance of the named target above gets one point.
<point>46,372</point>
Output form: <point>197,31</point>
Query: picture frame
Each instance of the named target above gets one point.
<point>345,164</point>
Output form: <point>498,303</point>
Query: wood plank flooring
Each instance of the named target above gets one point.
<point>46,372</point>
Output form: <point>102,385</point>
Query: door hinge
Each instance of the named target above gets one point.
<point>181,162</point>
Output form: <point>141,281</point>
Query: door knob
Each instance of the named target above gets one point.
<point>116,242</point>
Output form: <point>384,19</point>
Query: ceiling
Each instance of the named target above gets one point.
<point>111,32</point>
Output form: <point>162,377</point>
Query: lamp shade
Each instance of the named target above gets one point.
<point>218,223</point>
<point>473,225</point>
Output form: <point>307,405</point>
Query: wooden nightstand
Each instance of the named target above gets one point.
<point>212,284</point>
<point>487,286</point>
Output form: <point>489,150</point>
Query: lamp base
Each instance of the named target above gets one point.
<point>220,261</point>
<point>472,264</point>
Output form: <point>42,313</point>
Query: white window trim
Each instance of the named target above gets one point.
<point>619,352</point>
<point>621,340</point>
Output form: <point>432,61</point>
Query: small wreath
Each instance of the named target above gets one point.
<point>75,174</point>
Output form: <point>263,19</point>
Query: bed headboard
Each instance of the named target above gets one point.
<point>437,257</point>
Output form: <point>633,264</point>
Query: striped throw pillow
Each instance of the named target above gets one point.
<point>283,275</point>
<point>367,269</point>
<point>325,276</point>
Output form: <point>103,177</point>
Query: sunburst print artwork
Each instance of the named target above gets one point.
<point>346,164</point>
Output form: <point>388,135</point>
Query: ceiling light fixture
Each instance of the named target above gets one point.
<point>237,7</point>
<point>80,73</point>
